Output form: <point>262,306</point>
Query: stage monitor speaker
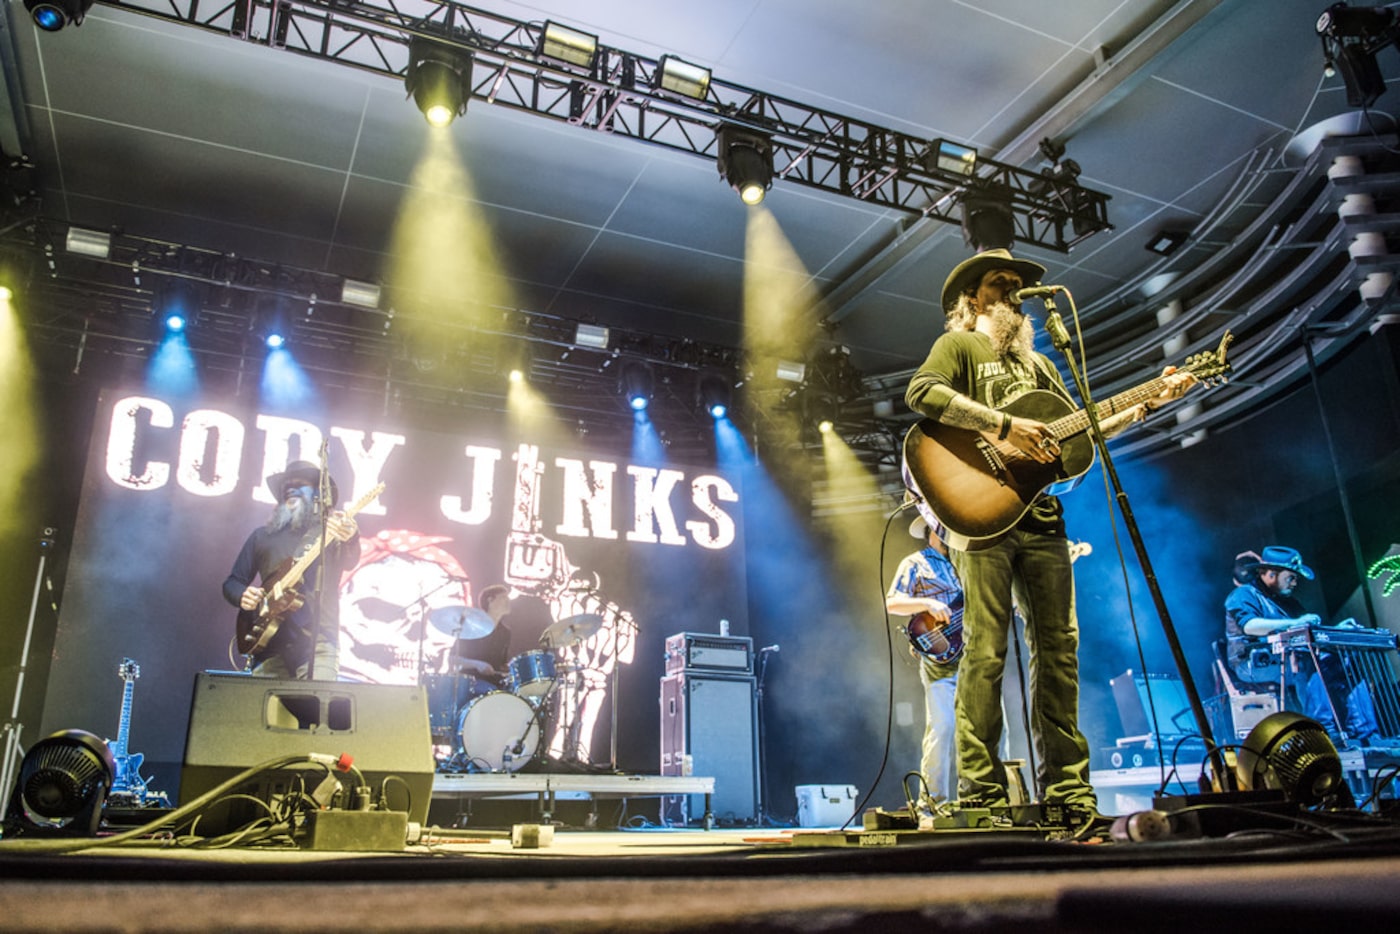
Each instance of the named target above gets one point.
<point>709,727</point>
<point>237,721</point>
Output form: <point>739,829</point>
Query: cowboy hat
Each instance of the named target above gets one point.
<point>968,274</point>
<point>1281,558</point>
<point>299,470</point>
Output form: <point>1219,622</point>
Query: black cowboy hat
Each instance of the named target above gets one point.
<point>1281,558</point>
<point>299,470</point>
<point>967,274</point>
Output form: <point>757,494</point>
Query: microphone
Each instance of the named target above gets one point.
<point>1033,291</point>
<point>768,648</point>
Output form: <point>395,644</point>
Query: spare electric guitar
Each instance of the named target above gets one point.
<point>980,487</point>
<point>257,626</point>
<point>128,779</point>
<point>943,642</point>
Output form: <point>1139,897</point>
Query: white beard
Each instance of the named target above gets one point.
<point>293,513</point>
<point>1012,333</point>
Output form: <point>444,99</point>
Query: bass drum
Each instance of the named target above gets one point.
<point>499,732</point>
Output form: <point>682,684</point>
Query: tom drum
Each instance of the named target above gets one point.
<point>531,674</point>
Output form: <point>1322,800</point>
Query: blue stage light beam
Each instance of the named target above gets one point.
<point>284,382</point>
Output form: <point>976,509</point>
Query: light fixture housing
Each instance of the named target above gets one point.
<point>637,383</point>
<point>987,220</point>
<point>681,77</point>
<point>1167,242</point>
<point>791,371</point>
<point>439,80</point>
<point>360,294</point>
<point>745,161</point>
<point>715,395</point>
<point>53,15</point>
<point>591,335</point>
<point>95,243</point>
<point>946,156</point>
<point>564,44</point>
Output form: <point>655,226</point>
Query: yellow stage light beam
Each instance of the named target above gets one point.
<point>780,305</point>
<point>19,425</point>
<point>853,508</point>
<point>445,275</point>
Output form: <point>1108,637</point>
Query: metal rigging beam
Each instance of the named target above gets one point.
<point>618,93</point>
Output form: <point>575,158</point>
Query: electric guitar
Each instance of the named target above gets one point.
<point>979,487</point>
<point>128,779</point>
<point>256,627</point>
<point>943,642</point>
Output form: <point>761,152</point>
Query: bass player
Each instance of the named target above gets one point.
<point>271,549</point>
<point>986,360</point>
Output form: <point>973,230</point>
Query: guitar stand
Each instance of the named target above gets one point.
<point>1059,338</point>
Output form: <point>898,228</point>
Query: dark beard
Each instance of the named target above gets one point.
<point>294,514</point>
<point>1012,333</point>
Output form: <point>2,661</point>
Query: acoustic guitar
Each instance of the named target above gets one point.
<point>980,487</point>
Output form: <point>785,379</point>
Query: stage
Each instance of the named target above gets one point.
<point>548,789</point>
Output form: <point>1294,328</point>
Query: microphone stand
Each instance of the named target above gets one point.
<point>323,498</point>
<point>762,742</point>
<point>1059,339</point>
<point>9,766</point>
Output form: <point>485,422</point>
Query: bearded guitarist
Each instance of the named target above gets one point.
<point>985,361</point>
<point>277,623</point>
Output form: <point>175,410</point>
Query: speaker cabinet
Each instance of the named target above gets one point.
<point>709,726</point>
<point>238,721</point>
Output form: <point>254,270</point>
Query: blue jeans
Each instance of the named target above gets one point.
<point>1036,569</point>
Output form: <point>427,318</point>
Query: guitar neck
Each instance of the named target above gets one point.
<point>124,723</point>
<point>1077,421</point>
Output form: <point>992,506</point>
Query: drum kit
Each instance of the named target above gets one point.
<point>494,721</point>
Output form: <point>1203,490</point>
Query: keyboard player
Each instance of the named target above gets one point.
<point>1265,604</point>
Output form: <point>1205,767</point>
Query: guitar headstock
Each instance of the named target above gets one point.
<point>129,670</point>
<point>1210,366</point>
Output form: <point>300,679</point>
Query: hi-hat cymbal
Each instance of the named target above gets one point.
<point>571,630</point>
<point>464,622</point>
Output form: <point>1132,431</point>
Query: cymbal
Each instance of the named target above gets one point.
<point>571,630</point>
<point>464,622</point>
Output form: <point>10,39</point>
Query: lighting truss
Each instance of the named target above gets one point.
<point>617,93</point>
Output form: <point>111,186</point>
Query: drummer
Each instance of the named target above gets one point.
<point>486,656</point>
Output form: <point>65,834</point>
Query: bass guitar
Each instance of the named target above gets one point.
<point>256,627</point>
<point>943,642</point>
<point>980,487</point>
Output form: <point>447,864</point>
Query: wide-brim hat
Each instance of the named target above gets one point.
<point>1281,558</point>
<point>300,470</point>
<point>969,273</point>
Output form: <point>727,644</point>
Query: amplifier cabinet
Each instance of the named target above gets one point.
<point>709,726</point>
<point>698,651</point>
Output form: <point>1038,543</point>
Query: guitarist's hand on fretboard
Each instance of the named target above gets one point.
<point>341,527</point>
<point>252,596</point>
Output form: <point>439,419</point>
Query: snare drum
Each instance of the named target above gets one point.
<point>531,674</point>
<point>499,731</point>
<point>446,696</point>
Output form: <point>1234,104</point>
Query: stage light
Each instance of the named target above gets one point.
<point>637,384</point>
<point>53,15</point>
<point>746,162</point>
<point>275,340</point>
<point>567,45</point>
<point>1351,37</point>
<point>591,335</point>
<point>175,322</point>
<point>62,785</point>
<point>95,243</point>
<point>951,157</point>
<point>439,79</point>
<point>360,294</point>
<point>681,77</point>
<point>715,395</point>
<point>1289,752</point>
<point>987,221</point>
<point>790,371</point>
